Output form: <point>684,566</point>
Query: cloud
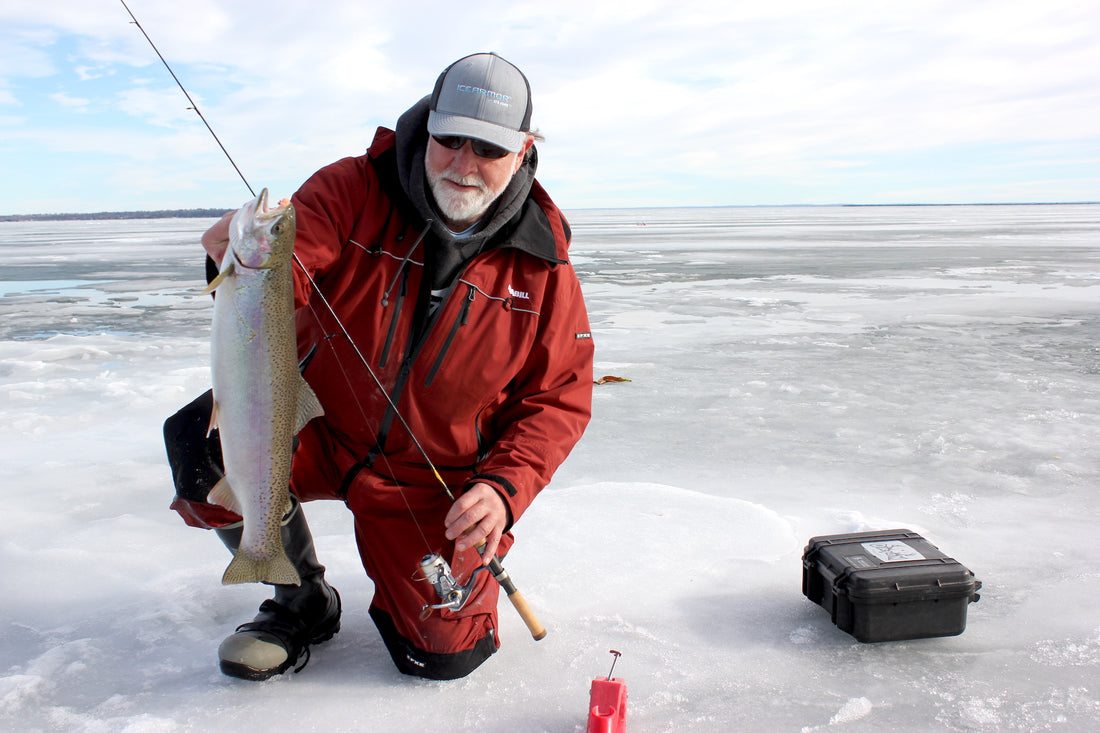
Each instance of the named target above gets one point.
<point>163,106</point>
<point>642,102</point>
<point>87,73</point>
<point>65,100</point>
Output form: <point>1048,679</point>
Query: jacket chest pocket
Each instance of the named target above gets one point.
<point>460,320</point>
<point>486,334</point>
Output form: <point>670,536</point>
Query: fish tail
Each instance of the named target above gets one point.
<point>276,571</point>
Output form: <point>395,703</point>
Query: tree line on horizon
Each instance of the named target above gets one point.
<point>159,214</point>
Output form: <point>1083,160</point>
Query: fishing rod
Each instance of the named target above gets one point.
<point>433,567</point>
<point>193,106</point>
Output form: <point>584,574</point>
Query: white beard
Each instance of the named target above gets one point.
<point>461,206</point>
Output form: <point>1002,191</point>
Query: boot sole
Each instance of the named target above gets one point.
<point>244,672</point>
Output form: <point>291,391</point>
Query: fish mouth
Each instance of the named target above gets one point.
<point>264,212</point>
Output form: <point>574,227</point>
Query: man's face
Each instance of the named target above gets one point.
<point>464,184</point>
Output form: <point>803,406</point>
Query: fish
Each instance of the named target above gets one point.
<point>261,400</point>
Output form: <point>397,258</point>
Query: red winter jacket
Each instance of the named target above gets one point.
<point>497,386</point>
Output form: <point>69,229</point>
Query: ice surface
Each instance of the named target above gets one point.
<point>794,372</point>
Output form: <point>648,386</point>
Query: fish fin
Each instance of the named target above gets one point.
<point>288,513</point>
<point>222,275</point>
<point>222,495</point>
<point>309,406</point>
<point>213,419</point>
<point>277,571</point>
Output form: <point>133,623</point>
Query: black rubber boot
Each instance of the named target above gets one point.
<point>289,623</point>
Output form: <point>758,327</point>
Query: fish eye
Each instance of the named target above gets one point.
<point>277,229</point>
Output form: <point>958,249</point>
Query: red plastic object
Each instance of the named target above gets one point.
<point>607,706</point>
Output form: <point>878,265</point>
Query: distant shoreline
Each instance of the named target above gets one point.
<point>107,215</point>
<point>214,213</point>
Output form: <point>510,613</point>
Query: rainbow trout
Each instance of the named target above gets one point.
<point>260,398</point>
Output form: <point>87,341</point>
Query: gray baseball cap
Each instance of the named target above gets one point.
<point>484,97</point>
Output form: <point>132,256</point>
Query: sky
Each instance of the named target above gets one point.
<point>642,103</point>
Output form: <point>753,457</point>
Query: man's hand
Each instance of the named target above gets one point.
<point>479,514</point>
<point>215,240</point>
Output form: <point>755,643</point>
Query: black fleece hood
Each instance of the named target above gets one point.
<point>446,254</point>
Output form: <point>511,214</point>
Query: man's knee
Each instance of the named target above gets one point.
<point>195,457</point>
<point>194,453</point>
<point>412,660</point>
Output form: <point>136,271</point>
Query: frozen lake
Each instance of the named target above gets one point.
<point>794,372</point>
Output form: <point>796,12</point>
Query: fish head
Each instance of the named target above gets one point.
<point>262,237</point>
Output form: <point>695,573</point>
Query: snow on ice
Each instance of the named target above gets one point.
<point>794,372</point>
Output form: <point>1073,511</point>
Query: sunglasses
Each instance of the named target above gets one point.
<point>481,148</point>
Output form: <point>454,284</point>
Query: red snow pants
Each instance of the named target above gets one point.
<point>395,526</point>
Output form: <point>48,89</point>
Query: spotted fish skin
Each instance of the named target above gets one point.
<point>260,398</point>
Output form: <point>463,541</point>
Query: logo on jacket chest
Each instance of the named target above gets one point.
<point>518,293</point>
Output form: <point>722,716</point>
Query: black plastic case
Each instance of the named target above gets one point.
<point>888,585</point>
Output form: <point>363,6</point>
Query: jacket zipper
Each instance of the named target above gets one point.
<point>396,315</point>
<point>460,320</point>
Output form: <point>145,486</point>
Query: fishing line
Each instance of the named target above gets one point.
<point>495,567</point>
<point>316,289</point>
<point>302,267</point>
<point>380,387</point>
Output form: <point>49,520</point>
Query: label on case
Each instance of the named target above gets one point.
<point>892,551</point>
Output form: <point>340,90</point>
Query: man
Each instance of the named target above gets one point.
<point>447,264</point>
